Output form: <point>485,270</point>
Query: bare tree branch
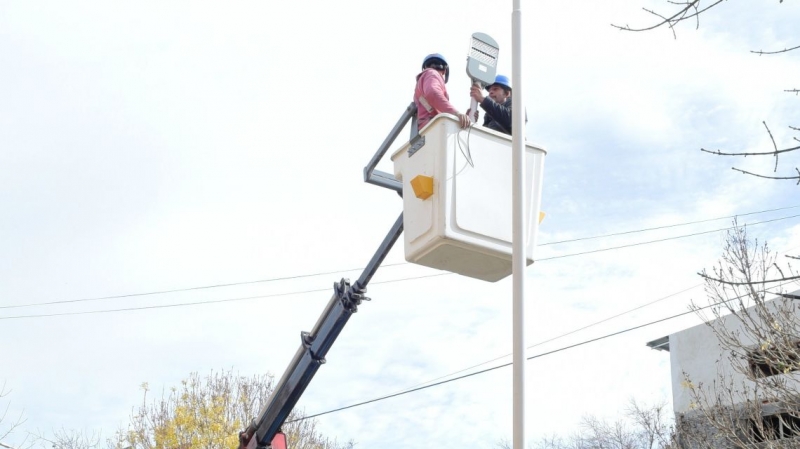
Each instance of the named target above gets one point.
<point>754,401</point>
<point>762,52</point>
<point>688,9</point>
<point>7,427</point>
<point>763,153</point>
<point>644,427</point>
<point>765,281</point>
<point>775,152</point>
<point>683,14</point>
<point>771,177</point>
<point>774,146</point>
<point>73,439</point>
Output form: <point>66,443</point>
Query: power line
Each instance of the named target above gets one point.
<point>564,334</point>
<point>212,301</point>
<point>162,306</point>
<point>300,276</point>
<point>536,356</point>
<point>579,329</point>
<point>665,226</point>
<point>159,292</point>
<point>489,369</point>
<point>662,240</point>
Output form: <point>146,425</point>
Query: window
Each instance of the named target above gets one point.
<point>773,360</point>
<point>776,427</point>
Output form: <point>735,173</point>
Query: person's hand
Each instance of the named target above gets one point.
<point>476,94</point>
<point>463,120</point>
<point>475,115</point>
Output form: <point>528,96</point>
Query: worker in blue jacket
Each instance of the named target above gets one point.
<point>497,105</point>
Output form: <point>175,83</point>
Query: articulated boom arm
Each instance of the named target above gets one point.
<point>314,346</point>
<point>346,298</point>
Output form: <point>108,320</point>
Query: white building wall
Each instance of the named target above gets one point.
<point>697,353</point>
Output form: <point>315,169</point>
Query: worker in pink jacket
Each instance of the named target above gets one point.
<point>430,96</point>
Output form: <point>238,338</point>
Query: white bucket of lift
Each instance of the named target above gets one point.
<point>464,225</point>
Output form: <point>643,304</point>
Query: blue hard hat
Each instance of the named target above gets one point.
<point>500,80</point>
<point>433,56</point>
<point>442,66</point>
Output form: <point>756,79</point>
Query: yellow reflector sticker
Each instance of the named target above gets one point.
<point>541,217</point>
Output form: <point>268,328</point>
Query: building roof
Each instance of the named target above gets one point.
<point>661,344</point>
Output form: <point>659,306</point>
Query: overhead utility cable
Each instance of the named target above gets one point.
<point>558,337</point>
<point>661,240</point>
<point>159,292</point>
<point>536,356</point>
<point>300,276</point>
<point>577,330</point>
<point>665,226</point>
<point>194,303</point>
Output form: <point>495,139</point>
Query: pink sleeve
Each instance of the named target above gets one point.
<point>435,92</point>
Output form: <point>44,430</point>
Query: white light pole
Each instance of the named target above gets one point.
<point>518,228</point>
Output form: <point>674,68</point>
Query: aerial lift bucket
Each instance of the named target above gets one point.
<point>457,212</point>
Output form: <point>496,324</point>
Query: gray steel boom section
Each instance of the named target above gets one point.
<point>314,346</point>
<point>381,178</point>
<point>346,298</point>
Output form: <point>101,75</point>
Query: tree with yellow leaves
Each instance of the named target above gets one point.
<point>208,413</point>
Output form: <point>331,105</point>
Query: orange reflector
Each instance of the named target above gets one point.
<point>541,217</point>
<point>423,186</point>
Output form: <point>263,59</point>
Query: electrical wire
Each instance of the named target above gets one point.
<point>312,291</point>
<point>195,303</point>
<point>535,356</point>
<point>665,226</point>
<point>491,369</point>
<point>662,240</point>
<point>467,154</point>
<point>159,292</point>
<point>232,284</point>
<point>579,329</point>
<point>566,334</point>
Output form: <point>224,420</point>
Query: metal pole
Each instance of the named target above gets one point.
<point>518,228</point>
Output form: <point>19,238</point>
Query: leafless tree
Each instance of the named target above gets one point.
<point>756,402</point>
<point>643,427</point>
<point>9,423</point>
<point>674,13</point>
<point>71,439</point>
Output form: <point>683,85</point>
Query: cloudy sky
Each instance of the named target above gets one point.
<point>155,146</point>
